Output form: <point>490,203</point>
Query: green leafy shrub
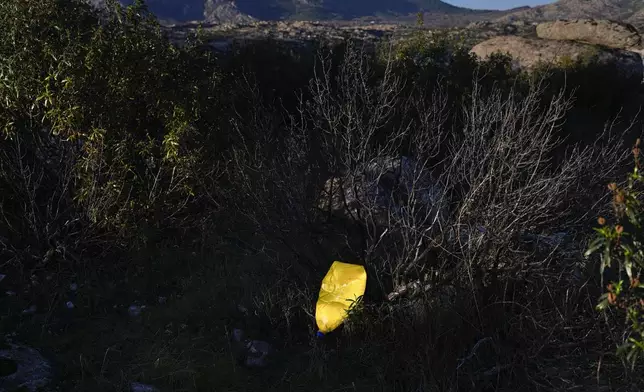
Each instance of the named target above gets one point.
<point>142,113</point>
<point>426,56</point>
<point>620,245</point>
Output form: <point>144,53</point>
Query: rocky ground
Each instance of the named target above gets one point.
<point>566,43</point>
<point>630,11</point>
<point>220,35</point>
<point>530,43</point>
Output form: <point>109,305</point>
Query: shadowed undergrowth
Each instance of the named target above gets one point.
<point>213,192</point>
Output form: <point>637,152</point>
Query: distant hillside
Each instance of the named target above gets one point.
<point>631,11</point>
<point>219,11</point>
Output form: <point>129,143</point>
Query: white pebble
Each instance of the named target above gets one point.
<point>32,309</point>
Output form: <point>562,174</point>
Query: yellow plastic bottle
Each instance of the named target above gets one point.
<point>342,285</point>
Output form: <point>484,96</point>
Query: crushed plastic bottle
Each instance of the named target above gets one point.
<point>343,285</point>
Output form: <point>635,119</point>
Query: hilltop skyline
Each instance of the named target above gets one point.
<point>497,4</point>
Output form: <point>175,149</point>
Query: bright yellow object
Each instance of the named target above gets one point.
<point>343,284</point>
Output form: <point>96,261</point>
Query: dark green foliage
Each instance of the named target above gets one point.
<point>597,87</point>
<point>118,90</point>
<point>619,244</point>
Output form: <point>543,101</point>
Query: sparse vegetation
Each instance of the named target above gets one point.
<point>216,189</point>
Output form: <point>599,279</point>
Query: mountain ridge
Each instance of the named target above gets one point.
<point>239,11</point>
<point>436,12</point>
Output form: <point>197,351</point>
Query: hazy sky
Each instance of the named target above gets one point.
<point>497,4</point>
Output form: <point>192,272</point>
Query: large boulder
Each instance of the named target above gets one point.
<point>637,20</point>
<point>530,52</point>
<point>383,191</point>
<point>23,368</point>
<point>598,32</point>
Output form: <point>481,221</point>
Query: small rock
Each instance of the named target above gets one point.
<point>69,304</point>
<point>251,353</point>
<point>73,287</point>
<point>134,310</point>
<point>10,293</point>
<point>139,387</point>
<point>258,352</point>
<point>238,335</point>
<point>162,300</point>
<point>31,310</point>
<point>2,276</point>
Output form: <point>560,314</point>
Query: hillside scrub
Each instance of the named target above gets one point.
<point>227,184</point>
